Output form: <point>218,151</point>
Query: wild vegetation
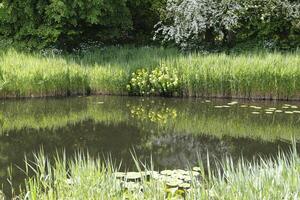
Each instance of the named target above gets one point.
<point>241,49</point>
<point>190,24</point>
<point>86,178</point>
<point>151,71</point>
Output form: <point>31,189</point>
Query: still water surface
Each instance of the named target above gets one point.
<point>174,132</point>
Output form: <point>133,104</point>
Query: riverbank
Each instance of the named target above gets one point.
<point>87,178</point>
<point>115,70</point>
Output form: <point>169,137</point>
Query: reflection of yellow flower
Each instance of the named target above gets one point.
<point>159,116</point>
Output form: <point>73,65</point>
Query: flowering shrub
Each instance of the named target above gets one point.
<point>160,81</point>
<point>197,21</point>
<point>194,24</point>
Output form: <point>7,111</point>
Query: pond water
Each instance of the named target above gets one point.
<point>173,132</point>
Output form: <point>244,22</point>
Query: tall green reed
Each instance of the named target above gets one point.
<point>108,71</point>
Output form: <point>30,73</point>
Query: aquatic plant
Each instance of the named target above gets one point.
<point>88,178</point>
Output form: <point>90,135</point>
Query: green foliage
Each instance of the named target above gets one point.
<point>255,75</point>
<point>275,21</point>
<point>64,23</point>
<point>88,178</point>
<point>145,14</point>
<point>162,81</point>
<point>198,24</point>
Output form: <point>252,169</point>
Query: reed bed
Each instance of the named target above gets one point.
<point>108,71</point>
<point>88,178</point>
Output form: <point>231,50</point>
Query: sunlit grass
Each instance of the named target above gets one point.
<point>108,71</point>
<point>88,178</point>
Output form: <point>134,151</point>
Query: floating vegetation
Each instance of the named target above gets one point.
<point>218,106</point>
<point>256,113</point>
<point>256,107</point>
<point>289,112</point>
<point>233,103</point>
<point>176,182</point>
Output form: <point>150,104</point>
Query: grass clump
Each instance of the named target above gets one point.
<point>87,178</point>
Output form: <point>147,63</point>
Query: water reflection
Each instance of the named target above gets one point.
<point>174,131</point>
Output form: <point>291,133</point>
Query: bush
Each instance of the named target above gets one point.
<point>194,24</point>
<point>63,23</point>
<point>161,81</point>
<point>36,24</point>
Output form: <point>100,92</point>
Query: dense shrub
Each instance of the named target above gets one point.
<point>160,81</point>
<point>145,14</point>
<point>67,23</point>
<point>275,21</point>
<point>198,23</point>
<point>42,23</point>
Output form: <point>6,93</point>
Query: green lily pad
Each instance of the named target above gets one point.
<point>133,176</point>
<point>172,183</point>
<point>166,172</point>
<point>289,112</point>
<point>184,186</point>
<point>255,113</point>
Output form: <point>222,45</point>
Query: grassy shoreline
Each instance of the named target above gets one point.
<point>89,178</point>
<point>108,71</point>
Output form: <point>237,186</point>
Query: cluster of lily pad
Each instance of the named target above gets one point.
<point>256,110</point>
<point>173,182</point>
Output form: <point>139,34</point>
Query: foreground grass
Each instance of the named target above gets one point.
<point>93,179</point>
<point>108,71</point>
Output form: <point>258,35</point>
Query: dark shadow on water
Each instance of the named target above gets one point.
<point>173,131</point>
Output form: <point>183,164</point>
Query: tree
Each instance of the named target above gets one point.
<point>193,23</point>
<point>64,23</point>
<point>196,23</point>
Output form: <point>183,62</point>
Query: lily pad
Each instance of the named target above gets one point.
<point>255,113</point>
<point>166,172</point>
<point>289,112</point>
<point>133,176</point>
<point>172,183</point>
<point>180,171</point>
<point>184,186</point>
